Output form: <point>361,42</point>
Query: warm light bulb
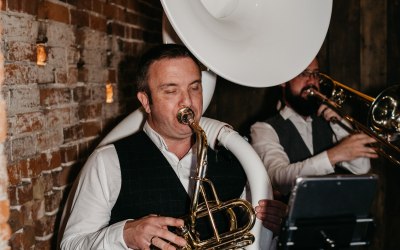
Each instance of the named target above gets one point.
<point>41,54</point>
<point>109,93</point>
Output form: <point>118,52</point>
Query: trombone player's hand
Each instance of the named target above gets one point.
<point>272,214</point>
<point>352,147</point>
<point>153,230</point>
<point>327,113</point>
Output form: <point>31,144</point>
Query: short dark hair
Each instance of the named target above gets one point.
<point>159,52</point>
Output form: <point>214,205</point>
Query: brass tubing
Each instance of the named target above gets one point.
<point>359,127</point>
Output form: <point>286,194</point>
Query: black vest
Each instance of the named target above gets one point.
<point>150,186</point>
<point>291,140</point>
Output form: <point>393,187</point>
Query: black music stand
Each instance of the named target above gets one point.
<point>330,212</point>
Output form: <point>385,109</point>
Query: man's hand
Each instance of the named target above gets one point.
<point>153,230</point>
<point>327,113</point>
<point>271,213</point>
<point>352,147</point>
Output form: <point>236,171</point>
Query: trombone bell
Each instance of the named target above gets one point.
<point>383,117</point>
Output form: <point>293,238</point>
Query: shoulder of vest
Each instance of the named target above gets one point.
<point>135,141</point>
<point>276,120</point>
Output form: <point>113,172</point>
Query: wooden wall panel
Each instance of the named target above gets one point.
<point>343,42</point>
<point>373,31</point>
<point>393,42</point>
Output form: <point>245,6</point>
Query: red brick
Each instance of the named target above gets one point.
<point>55,96</point>
<point>80,18</point>
<point>72,133</point>
<point>53,11</point>
<point>23,165</point>
<point>46,244</point>
<point>135,33</point>
<point>15,73</point>
<point>99,93</point>
<point>14,173</point>
<point>24,192</point>
<point>58,117</point>
<point>53,200</point>
<point>38,189</point>
<point>98,6</point>
<point>38,209</point>
<point>110,11</point>
<point>61,76</point>
<point>15,220</point>
<point>91,128</point>
<point>21,51</point>
<point>69,153</point>
<point>98,23</point>
<point>85,149</point>
<point>45,225</point>
<point>82,94</point>
<point>28,122</point>
<point>23,147</point>
<point>112,76</point>
<point>47,181</point>
<point>72,2</point>
<point>132,18</point>
<point>66,176</point>
<point>90,111</point>
<point>116,29</point>
<point>12,195</point>
<point>84,4</point>
<point>50,138</point>
<point>83,75</point>
<point>118,2</point>
<point>24,239</point>
<point>37,165</point>
<point>72,75</point>
<point>55,160</point>
<point>26,211</point>
<point>26,6</point>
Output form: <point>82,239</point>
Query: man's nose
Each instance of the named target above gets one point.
<point>186,100</point>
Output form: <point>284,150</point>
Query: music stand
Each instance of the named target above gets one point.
<point>329,212</point>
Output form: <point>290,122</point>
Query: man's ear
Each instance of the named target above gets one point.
<point>144,100</point>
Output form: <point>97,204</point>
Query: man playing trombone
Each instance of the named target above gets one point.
<point>298,141</point>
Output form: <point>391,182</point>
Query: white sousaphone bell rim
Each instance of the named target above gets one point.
<point>259,43</point>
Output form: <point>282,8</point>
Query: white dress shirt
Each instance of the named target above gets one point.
<point>97,191</point>
<point>283,174</point>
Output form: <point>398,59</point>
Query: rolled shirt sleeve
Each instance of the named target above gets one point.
<point>283,174</point>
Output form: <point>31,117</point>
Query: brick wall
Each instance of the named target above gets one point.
<point>57,113</point>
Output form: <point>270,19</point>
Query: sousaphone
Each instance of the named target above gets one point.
<point>255,43</point>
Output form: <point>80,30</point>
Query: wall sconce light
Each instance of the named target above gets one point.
<point>41,54</point>
<point>41,41</point>
<point>109,93</point>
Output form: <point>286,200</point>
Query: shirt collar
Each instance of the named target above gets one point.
<point>288,113</point>
<point>154,136</point>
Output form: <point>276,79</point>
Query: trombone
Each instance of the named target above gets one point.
<point>383,122</point>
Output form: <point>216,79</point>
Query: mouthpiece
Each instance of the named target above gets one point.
<point>185,116</point>
<point>310,91</point>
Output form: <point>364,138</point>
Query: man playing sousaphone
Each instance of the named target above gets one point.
<point>130,193</point>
